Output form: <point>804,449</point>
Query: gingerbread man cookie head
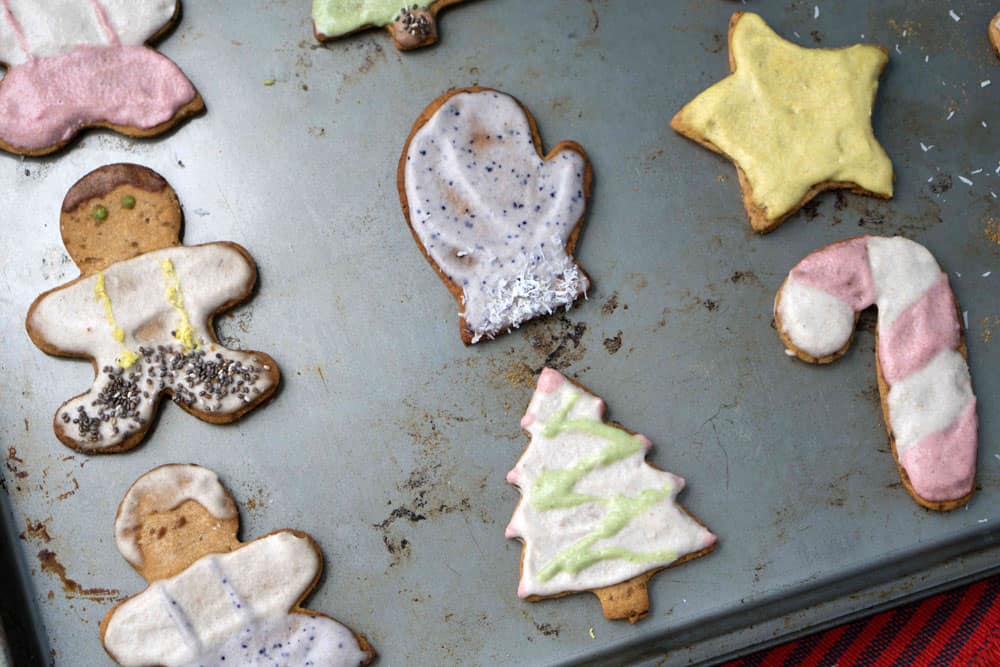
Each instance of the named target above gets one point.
<point>172,516</point>
<point>118,212</point>
<point>412,25</point>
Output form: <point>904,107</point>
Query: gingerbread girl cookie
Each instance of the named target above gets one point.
<point>84,63</point>
<point>142,312</point>
<point>412,25</point>
<point>211,599</point>
<point>594,516</point>
<point>496,218</point>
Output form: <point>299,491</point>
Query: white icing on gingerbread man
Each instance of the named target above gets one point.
<point>223,603</point>
<point>145,320</point>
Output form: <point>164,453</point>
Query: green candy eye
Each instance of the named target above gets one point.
<point>128,201</point>
<point>100,213</point>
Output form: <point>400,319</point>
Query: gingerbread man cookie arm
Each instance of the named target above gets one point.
<point>30,29</point>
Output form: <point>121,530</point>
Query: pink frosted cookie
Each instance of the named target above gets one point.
<point>496,219</point>
<point>213,600</point>
<point>142,312</point>
<point>74,64</point>
<point>594,516</point>
<point>923,377</point>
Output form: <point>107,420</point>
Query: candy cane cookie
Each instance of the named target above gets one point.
<point>74,64</point>
<point>923,376</point>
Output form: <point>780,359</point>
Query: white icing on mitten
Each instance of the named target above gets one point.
<point>496,219</point>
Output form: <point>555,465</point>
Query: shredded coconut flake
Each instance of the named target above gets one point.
<point>965,180</point>
<point>528,291</point>
<point>954,17</point>
<point>975,171</point>
<point>965,319</point>
<point>987,274</point>
<point>815,12</point>
<point>924,147</point>
<point>950,115</point>
<point>927,59</point>
<point>898,51</point>
<point>983,123</point>
<point>983,84</point>
<point>982,521</point>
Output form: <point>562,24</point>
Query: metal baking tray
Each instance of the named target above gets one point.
<point>389,440</point>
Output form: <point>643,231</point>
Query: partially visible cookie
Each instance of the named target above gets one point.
<point>496,218</point>
<point>995,33</point>
<point>411,24</point>
<point>594,516</point>
<point>74,64</point>
<point>923,376</point>
<point>794,121</point>
<point>142,312</point>
<point>211,599</point>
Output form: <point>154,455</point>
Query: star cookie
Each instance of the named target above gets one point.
<point>795,121</point>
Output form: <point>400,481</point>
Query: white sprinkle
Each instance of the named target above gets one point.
<point>930,178</point>
<point>955,17</point>
<point>815,11</point>
<point>593,636</point>
<point>987,274</point>
<point>983,122</point>
<point>997,170</point>
<point>862,35</point>
<point>898,51</point>
<point>977,171</point>
<point>927,59</point>
<point>950,114</point>
<point>904,33</point>
<point>997,457</point>
<point>983,84</point>
<point>796,34</point>
<point>924,147</point>
<point>994,194</point>
<point>965,180</point>
<point>965,318</point>
<point>982,521</point>
<point>959,275</point>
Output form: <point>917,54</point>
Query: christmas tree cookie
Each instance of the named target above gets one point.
<point>496,219</point>
<point>795,121</point>
<point>412,24</point>
<point>142,312</point>
<point>212,600</point>
<point>74,64</point>
<point>594,516</point>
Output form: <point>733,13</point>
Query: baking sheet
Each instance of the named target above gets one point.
<point>384,416</point>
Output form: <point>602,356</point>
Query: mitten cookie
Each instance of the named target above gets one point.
<point>496,219</point>
<point>213,600</point>
<point>923,377</point>
<point>795,121</point>
<point>594,516</point>
<point>142,312</point>
<point>411,26</point>
<point>74,64</point>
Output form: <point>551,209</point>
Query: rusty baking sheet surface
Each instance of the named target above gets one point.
<point>389,440</point>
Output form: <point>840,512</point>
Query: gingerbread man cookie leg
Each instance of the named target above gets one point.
<point>594,516</point>
<point>496,219</point>
<point>411,25</point>
<point>923,376</point>
<point>142,312</point>
<point>211,599</point>
<point>794,121</point>
<point>74,64</point>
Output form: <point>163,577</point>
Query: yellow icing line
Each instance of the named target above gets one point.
<point>793,117</point>
<point>184,333</point>
<point>127,357</point>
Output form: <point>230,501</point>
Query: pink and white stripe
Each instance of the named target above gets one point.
<point>931,406</point>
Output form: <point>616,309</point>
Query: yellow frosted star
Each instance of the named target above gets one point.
<point>795,121</point>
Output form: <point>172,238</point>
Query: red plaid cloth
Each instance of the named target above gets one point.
<point>960,628</point>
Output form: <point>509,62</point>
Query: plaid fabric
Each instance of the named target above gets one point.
<point>960,628</point>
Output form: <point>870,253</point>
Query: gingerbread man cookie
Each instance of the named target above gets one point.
<point>74,64</point>
<point>594,516</point>
<point>211,599</point>
<point>142,312</point>
<point>923,377</point>
<point>496,219</point>
<point>795,121</point>
<point>412,25</point>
